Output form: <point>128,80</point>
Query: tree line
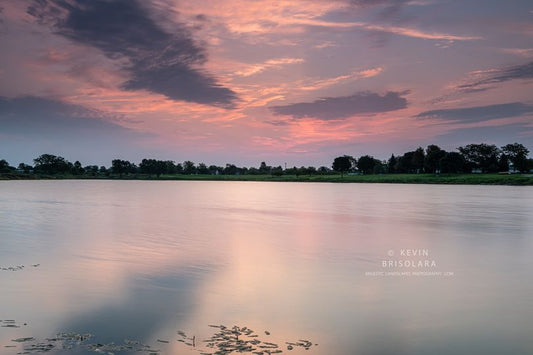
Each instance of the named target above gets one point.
<point>481,158</point>
<point>478,158</point>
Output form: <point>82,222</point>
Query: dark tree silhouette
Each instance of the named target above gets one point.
<point>432,159</point>
<point>481,156</point>
<point>366,164</point>
<point>189,167</point>
<point>203,169</point>
<point>230,169</point>
<point>343,164</point>
<point>405,163</point>
<point>486,157</point>
<point>51,164</point>
<point>5,167</point>
<point>157,167</point>
<point>264,168</point>
<point>91,169</point>
<point>517,154</point>
<point>453,162</point>
<point>77,169</point>
<point>215,170</point>
<point>25,168</point>
<point>418,160</point>
<point>392,164</point>
<point>122,167</point>
<point>277,171</point>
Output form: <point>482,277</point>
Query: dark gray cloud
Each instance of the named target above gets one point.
<point>479,113</point>
<point>499,135</point>
<point>384,3</point>
<point>390,8</point>
<point>330,108</point>
<point>524,71</point>
<point>378,2</point>
<point>34,116</point>
<point>30,126</point>
<point>158,61</point>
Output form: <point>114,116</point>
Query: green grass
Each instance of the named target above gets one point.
<point>470,179</point>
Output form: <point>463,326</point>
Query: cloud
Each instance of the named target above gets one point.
<point>479,113</point>
<point>386,3</point>
<point>498,75</point>
<point>355,75</point>
<point>269,64</point>
<point>389,8</point>
<point>331,108</point>
<point>484,80</point>
<point>157,60</point>
<point>35,116</point>
<point>391,29</point>
<point>255,20</point>
<point>33,125</point>
<point>523,52</point>
<point>414,33</point>
<point>499,135</point>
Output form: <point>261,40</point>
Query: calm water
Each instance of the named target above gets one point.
<point>141,260</point>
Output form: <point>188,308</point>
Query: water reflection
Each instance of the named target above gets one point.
<point>142,260</point>
<point>143,309</point>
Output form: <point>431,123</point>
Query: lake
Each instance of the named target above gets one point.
<point>353,268</point>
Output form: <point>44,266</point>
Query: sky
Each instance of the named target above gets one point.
<point>242,81</point>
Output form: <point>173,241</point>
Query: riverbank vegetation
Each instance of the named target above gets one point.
<point>471,164</point>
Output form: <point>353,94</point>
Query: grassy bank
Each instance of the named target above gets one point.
<point>470,179</point>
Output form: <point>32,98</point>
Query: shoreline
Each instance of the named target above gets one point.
<point>443,179</point>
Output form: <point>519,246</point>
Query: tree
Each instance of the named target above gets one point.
<point>25,168</point>
<point>311,170</point>
<point>529,164</point>
<point>503,162</point>
<point>481,156</point>
<point>277,171</point>
<point>215,170</point>
<point>51,164</point>
<point>452,162</point>
<point>157,167</point>
<point>432,159</point>
<point>405,163</point>
<point>323,170</point>
<point>302,170</point>
<point>264,168</point>
<point>121,167</point>
<point>91,169</point>
<point>292,171</point>
<point>343,164</point>
<point>366,164</point>
<point>418,160</point>
<point>189,167</point>
<point>392,164</point>
<point>170,167</point>
<point>517,154</point>
<point>147,166</point>
<point>153,166</point>
<point>77,169</point>
<point>230,169</point>
<point>5,167</point>
<point>203,169</point>
<point>380,167</point>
